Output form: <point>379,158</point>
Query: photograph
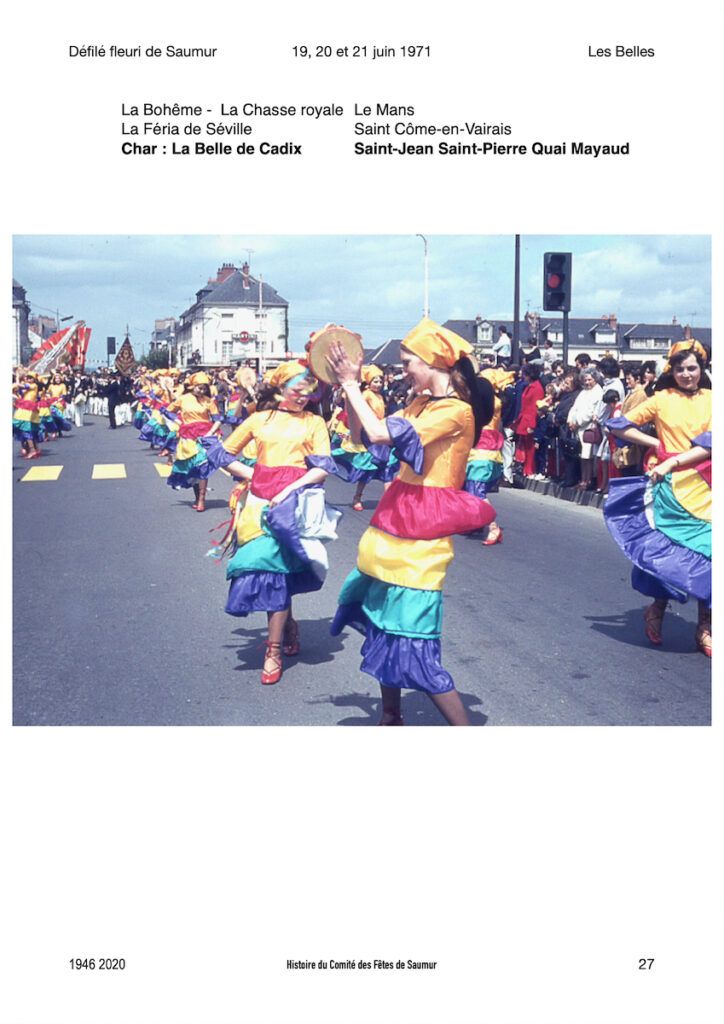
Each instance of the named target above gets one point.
<point>375,427</point>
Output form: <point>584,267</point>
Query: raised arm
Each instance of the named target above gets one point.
<point>361,416</point>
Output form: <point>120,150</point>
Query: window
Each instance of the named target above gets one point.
<point>485,333</point>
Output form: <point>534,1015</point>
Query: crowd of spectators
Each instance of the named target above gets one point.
<point>553,418</point>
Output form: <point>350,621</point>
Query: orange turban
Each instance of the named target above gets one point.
<point>690,345</point>
<point>436,345</point>
<point>370,372</point>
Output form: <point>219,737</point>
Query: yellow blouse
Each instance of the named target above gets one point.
<point>677,417</point>
<point>446,428</point>
<point>282,438</point>
<point>375,402</point>
<point>192,410</point>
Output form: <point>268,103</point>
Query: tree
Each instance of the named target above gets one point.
<point>157,359</point>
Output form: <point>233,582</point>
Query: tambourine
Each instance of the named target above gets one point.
<point>319,346</point>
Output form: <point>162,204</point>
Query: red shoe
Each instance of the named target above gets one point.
<point>358,507</point>
<point>35,455</point>
<point>494,537</point>
<point>274,654</point>
<point>653,617</point>
<point>291,645</point>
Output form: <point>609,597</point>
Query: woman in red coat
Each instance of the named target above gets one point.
<point>525,425</point>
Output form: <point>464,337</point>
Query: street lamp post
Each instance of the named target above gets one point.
<point>426,309</point>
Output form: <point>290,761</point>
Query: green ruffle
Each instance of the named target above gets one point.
<point>263,554</point>
<point>402,611</point>
<point>672,519</point>
<point>484,470</point>
<point>186,465</point>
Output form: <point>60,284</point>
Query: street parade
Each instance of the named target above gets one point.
<point>420,450</point>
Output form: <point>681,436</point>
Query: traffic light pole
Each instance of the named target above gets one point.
<point>565,338</point>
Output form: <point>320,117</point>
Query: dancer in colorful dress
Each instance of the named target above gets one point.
<point>26,417</point>
<point>199,417</point>
<point>353,462</point>
<point>284,523</point>
<point>57,393</point>
<point>48,430</point>
<point>485,462</point>
<point>394,595</point>
<point>663,522</point>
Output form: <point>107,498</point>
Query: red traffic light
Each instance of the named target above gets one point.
<point>557,281</point>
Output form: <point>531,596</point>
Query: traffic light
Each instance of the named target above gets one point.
<point>557,281</point>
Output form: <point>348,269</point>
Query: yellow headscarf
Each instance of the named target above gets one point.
<point>690,345</point>
<point>285,372</point>
<point>370,372</point>
<point>198,378</point>
<point>436,345</point>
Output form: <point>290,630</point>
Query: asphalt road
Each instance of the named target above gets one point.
<point>118,616</point>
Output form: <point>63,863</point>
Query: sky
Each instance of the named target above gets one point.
<point>373,284</point>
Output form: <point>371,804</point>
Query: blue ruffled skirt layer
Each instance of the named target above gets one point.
<point>157,434</point>
<point>268,591</point>
<point>266,571</point>
<point>25,430</point>
<point>187,472</point>
<point>60,423</point>
<point>401,627</point>
<point>662,568</point>
<point>362,467</point>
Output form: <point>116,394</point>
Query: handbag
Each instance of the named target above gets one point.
<point>593,434</point>
<point>568,443</point>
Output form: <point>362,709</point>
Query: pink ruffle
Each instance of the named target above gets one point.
<point>427,513</point>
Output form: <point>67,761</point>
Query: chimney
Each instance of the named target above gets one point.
<point>687,333</point>
<point>674,322</point>
<point>612,321</point>
<point>225,271</point>
<point>245,276</point>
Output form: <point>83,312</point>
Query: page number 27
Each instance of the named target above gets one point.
<point>646,965</point>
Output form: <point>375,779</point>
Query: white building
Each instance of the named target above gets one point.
<point>235,317</point>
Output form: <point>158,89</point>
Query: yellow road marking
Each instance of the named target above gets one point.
<point>109,471</point>
<point>41,473</point>
<point>163,470</point>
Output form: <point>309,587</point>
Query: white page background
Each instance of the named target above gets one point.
<point>535,865</point>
